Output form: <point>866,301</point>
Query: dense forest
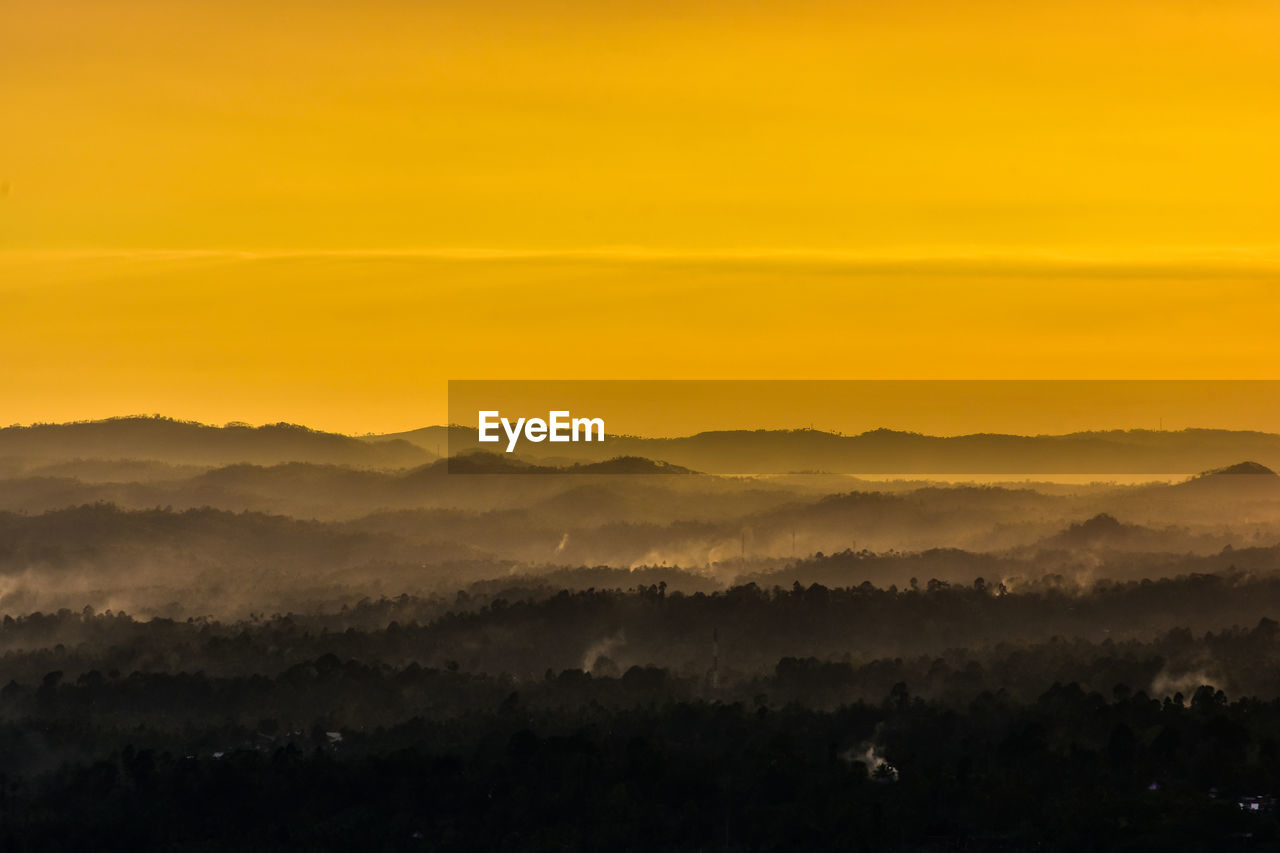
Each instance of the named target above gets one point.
<point>413,723</point>
<point>278,639</point>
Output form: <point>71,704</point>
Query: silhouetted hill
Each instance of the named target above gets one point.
<point>433,439</point>
<point>627,465</point>
<point>1106,532</point>
<point>1241,468</point>
<point>881,451</point>
<point>486,463</point>
<point>885,451</point>
<point>213,555</point>
<point>1244,480</point>
<point>186,443</point>
<point>492,463</point>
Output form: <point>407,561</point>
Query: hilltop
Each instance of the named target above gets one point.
<point>188,443</point>
<point>49,447</point>
<point>492,463</point>
<point>886,451</point>
<point>1241,468</point>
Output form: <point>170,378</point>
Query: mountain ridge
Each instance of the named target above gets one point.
<point>192,443</point>
<point>879,451</point>
<point>890,451</point>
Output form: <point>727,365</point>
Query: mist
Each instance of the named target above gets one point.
<point>206,594</point>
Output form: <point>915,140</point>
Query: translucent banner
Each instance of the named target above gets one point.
<point>917,427</point>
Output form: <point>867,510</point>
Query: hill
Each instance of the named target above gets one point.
<point>1104,532</point>
<point>881,451</point>
<point>885,451</point>
<point>186,443</point>
<point>492,463</point>
<point>1241,468</point>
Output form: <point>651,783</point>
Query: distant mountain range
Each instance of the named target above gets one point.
<point>886,451</point>
<point>882,451</point>
<point>186,443</point>
<point>494,463</point>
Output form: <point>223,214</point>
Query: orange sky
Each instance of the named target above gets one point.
<point>320,211</point>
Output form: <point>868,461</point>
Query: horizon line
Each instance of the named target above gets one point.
<point>829,432</point>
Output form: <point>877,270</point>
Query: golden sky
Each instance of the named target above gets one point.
<point>320,211</point>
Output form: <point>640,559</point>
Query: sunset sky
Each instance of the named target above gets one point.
<point>319,212</point>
